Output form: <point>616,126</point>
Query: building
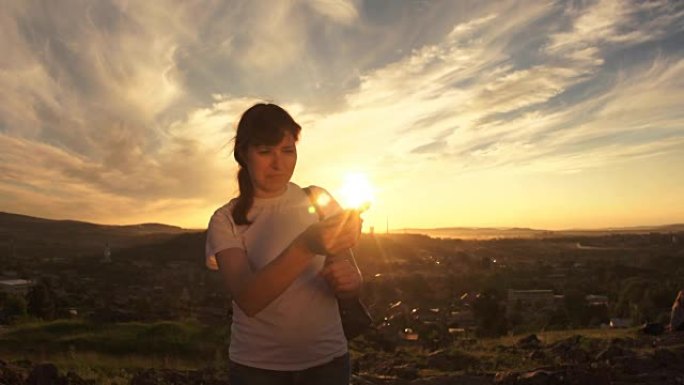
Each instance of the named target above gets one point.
<point>620,323</point>
<point>463,319</point>
<point>596,300</point>
<point>530,300</point>
<point>107,254</point>
<point>15,286</point>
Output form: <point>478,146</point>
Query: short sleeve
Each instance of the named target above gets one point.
<point>221,235</point>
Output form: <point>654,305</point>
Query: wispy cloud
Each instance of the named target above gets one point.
<point>470,81</point>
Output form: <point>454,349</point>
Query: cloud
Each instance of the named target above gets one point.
<point>431,147</point>
<point>341,11</point>
<point>612,22</point>
<point>69,77</point>
<point>134,103</point>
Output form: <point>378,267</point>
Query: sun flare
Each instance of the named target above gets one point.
<point>356,192</point>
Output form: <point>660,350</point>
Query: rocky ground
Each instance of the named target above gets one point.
<point>577,360</point>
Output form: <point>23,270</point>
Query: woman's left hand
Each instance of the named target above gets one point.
<point>343,277</point>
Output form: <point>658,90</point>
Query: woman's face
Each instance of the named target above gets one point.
<point>271,167</point>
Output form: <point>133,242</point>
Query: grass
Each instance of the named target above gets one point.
<point>111,354</point>
<point>495,354</point>
<point>109,369</point>
<point>549,337</point>
<point>188,340</point>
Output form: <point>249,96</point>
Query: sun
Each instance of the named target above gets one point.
<point>356,192</point>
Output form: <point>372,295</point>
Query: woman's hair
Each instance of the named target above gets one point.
<point>261,124</point>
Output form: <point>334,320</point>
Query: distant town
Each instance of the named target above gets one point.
<point>421,290</point>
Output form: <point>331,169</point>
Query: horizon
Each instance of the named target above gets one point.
<point>381,231</point>
<point>551,115</point>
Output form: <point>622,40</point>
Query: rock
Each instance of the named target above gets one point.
<point>366,362</point>
<point>634,364</point>
<point>610,353</point>
<point>652,328</point>
<point>460,379</point>
<point>627,342</point>
<point>176,377</point>
<point>26,364</point>
<point>506,349</point>
<point>158,377</point>
<point>660,377</point>
<point>43,374</point>
<point>507,377</point>
<point>667,358</point>
<point>381,342</point>
<point>448,361</point>
<point>537,355</point>
<point>567,343</point>
<point>372,379</point>
<point>580,376</point>
<point>359,380</point>
<point>529,342</point>
<point>536,377</point>
<point>406,371</point>
<point>570,350</point>
<point>11,375</point>
<point>577,356</point>
<point>72,378</point>
<point>439,360</point>
<point>569,375</point>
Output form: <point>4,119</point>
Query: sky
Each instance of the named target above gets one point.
<point>541,114</point>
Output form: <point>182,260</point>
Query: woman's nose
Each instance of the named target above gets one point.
<point>277,161</point>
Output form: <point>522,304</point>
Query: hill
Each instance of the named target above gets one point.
<point>521,232</point>
<point>32,236</point>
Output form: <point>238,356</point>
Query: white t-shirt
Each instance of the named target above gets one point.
<point>299,329</point>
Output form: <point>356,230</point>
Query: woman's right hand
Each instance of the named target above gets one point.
<point>334,234</point>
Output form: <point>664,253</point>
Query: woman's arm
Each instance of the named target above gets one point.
<point>343,274</point>
<point>341,270</point>
<point>254,290</point>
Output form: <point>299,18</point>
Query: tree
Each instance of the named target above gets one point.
<point>13,306</point>
<point>575,305</point>
<point>490,315</point>
<point>41,301</point>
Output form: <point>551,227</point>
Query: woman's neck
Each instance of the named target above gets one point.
<point>270,194</point>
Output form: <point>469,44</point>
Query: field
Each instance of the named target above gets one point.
<point>115,353</point>
<point>463,310</point>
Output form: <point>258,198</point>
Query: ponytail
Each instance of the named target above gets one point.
<point>245,199</point>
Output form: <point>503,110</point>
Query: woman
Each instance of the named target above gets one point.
<point>677,316</point>
<point>272,253</point>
